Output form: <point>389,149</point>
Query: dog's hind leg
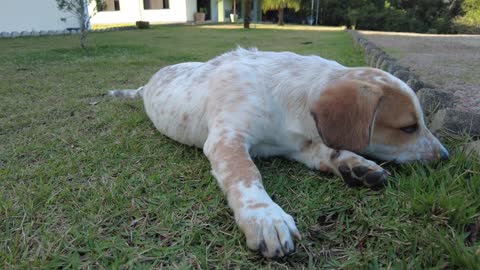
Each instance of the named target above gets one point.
<point>127,93</point>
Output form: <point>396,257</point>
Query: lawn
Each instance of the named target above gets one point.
<point>87,182</point>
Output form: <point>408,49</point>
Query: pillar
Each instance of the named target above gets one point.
<point>221,10</point>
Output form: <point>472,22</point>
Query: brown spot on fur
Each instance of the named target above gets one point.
<point>235,196</point>
<point>324,168</point>
<point>344,114</point>
<point>335,154</point>
<point>189,95</point>
<point>223,133</point>
<point>306,144</point>
<point>166,75</point>
<point>396,110</point>
<point>297,73</point>
<point>238,166</point>
<point>234,102</point>
<point>185,118</point>
<point>258,205</point>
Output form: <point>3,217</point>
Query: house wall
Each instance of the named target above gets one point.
<point>34,15</point>
<point>214,10</point>
<point>191,8</point>
<point>132,10</point>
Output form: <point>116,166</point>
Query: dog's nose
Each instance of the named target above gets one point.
<point>444,154</point>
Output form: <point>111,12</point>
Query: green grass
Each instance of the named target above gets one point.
<point>87,182</point>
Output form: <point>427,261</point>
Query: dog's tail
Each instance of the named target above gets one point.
<point>128,93</point>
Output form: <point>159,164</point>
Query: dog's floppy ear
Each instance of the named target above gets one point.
<point>345,113</point>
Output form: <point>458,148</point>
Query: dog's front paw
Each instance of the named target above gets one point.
<point>363,172</point>
<point>268,229</point>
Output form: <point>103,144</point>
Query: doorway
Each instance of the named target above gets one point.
<point>204,5</point>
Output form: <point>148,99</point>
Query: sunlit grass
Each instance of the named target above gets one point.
<point>87,182</point>
<point>274,27</point>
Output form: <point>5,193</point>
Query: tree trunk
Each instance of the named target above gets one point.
<point>248,8</point>
<point>84,32</point>
<point>84,19</point>
<point>83,38</point>
<point>280,16</point>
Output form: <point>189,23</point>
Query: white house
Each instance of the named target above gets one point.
<point>38,15</point>
<point>154,11</point>
<point>168,11</point>
<point>34,15</point>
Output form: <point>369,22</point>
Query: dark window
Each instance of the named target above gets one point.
<point>116,4</point>
<point>108,5</point>
<point>155,4</point>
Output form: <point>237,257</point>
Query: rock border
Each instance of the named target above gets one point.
<point>34,33</point>
<point>435,102</point>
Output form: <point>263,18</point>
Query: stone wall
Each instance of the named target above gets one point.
<point>16,34</point>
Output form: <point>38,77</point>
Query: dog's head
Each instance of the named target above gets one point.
<point>370,112</point>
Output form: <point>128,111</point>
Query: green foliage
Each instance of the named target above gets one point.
<point>469,22</point>
<point>101,5</point>
<point>76,7</point>
<point>433,16</point>
<point>276,4</point>
<point>404,16</point>
<point>280,5</point>
<point>79,8</point>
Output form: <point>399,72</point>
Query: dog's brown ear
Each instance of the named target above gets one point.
<point>345,113</point>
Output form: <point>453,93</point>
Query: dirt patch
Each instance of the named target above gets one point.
<point>450,62</point>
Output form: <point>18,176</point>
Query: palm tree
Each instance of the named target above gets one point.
<point>280,5</point>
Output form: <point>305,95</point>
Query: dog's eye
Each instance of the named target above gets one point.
<point>410,129</point>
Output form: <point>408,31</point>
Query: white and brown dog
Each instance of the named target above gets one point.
<point>248,103</point>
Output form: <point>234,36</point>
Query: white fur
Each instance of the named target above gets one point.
<point>250,103</point>
<point>269,224</point>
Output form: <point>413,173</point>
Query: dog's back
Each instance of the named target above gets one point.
<point>181,99</point>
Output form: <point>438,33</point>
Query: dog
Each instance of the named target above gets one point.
<point>248,103</point>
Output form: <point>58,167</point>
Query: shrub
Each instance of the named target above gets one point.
<point>142,24</point>
<point>469,22</point>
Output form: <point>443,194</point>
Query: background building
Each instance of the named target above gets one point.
<point>38,15</point>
